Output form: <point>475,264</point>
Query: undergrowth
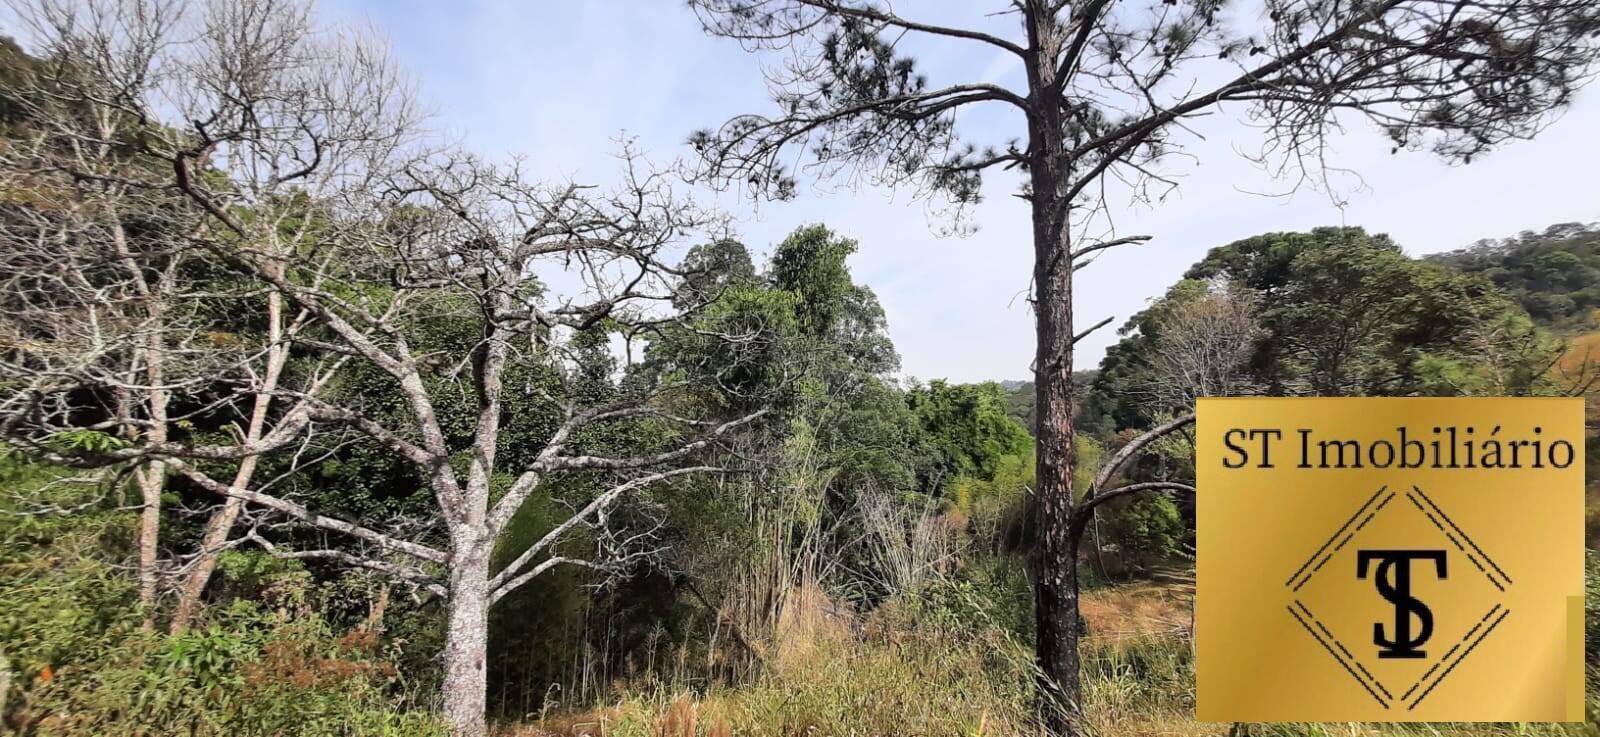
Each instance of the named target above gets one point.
<point>934,670</point>
<point>953,662</point>
<point>78,659</point>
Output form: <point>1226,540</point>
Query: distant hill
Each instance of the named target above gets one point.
<point>1555,275</point>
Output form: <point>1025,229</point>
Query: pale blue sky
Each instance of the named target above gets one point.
<point>557,82</point>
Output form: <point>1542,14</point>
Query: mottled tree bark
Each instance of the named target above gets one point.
<point>466,685</point>
<point>152,478</point>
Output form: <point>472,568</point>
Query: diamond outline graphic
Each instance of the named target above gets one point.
<point>1347,660</point>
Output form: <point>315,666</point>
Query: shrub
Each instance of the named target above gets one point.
<point>990,592</point>
<point>82,664</point>
<point>248,673</point>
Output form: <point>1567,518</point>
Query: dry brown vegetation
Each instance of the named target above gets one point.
<point>887,675</point>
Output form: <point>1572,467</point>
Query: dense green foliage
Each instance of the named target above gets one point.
<point>1338,312</point>
<point>289,646</point>
<point>1554,275</point>
<point>966,428</point>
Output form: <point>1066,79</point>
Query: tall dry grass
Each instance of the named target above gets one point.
<point>834,674</point>
<point>892,674</point>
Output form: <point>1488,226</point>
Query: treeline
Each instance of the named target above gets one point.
<point>1554,275</point>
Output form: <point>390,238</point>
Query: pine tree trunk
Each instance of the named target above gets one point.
<point>466,685</point>
<point>1053,565</point>
<point>1053,561</point>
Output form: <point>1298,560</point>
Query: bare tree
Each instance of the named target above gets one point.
<point>336,117</point>
<point>109,69</point>
<point>1202,346</point>
<point>1109,89</point>
<point>472,240</point>
<point>89,299</point>
<point>292,158</point>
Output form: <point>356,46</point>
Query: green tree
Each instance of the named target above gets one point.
<point>1554,274</point>
<point>1340,312</point>
<point>815,343</point>
<point>966,429</point>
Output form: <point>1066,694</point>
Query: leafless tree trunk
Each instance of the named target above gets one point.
<point>152,480</point>
<point>151,477</point>
<point>220,525</point>
<point>466,647</point>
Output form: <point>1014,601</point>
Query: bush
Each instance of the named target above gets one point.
<point>249,673</point>
<point>990,592</point>
<point>82,669</point>
<point>81,663</point>
<point>1144,530</point>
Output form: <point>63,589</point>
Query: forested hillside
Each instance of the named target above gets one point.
<point>312,424</point>
<point>1554,275</point>
<point>1333,312</point>
<point>1341,312</point>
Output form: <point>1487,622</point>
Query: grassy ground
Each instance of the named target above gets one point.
<point>887,676</point>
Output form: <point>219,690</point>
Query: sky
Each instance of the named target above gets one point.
<point>558,83</point>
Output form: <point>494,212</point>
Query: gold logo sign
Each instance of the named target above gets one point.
<point>1390,559</point>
